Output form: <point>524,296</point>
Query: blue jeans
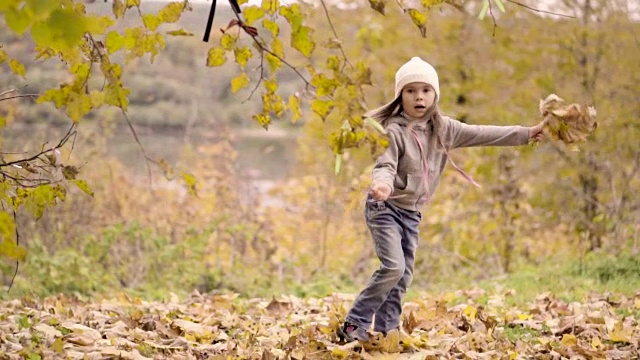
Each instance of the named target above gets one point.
<point>395,234</point>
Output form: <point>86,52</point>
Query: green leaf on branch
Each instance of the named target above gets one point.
<point>171,12</point>
<point>252,13</point>
<point>216,57</point>
<point>338,163</point>
<point>484,9</point>
<point>500,5</point>
<point>239,82</point>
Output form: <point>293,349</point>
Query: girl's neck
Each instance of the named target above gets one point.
<point>413,120</point>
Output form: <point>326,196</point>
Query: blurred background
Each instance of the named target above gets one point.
<point>270,217</point>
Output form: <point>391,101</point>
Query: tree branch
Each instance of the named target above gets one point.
<point>540,11</point>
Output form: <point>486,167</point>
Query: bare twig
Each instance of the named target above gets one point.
<point>71,132</point>
<point>493,18</point>
<point>326,12</point>
<point>15,273</point>
<point>20,96</point>
<point>135,136</point>
<point>540,11</point>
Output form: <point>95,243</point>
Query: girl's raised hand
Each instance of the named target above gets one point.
<point>380,192</point>
<point>536,132</point>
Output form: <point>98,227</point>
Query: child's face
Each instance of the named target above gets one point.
<point>417,98</point>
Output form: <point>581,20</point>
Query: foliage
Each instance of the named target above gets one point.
<point>221,325</point>
<point>568,123</point>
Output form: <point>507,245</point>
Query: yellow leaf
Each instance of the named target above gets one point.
<point>114,42</point>
<point>293,14</point>
<point>78,105</point>
<point>242,56</point>
<point>17,68</point>
<point>270,6</point>
<point>118,8</point>
<point>8,247</point>
<point>98,24</point>
<point>569,340</point>
<point>3,121</point>
<point>180,32</point>
<point>620,334</point>
<point>227,41</point>
<point>301,40</point>
<point>216,57</point>
<point>470,312</point>
<point>271,86</point>
<point>294,106</point>
<point>82,185</point>
<point>151,21</point>
<point>190,181</point>
<point>321,107</point>
<point>252,13</point>
<point>263,119</point>
<point>278,48</point>
<point>171,12</point>
<point>272,26</point>
<point>274,62</point>
<point>596,343</point>
<point>239,82</point>
<point>3,56</point>
<point>420,20</point>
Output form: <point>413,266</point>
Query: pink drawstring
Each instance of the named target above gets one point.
<point>466,176</point>
<point>425,167</point>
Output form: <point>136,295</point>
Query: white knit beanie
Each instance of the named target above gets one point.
<point>417,70</point>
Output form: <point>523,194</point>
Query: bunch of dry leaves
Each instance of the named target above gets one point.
<point>569,123</point>
<point>463,325</point>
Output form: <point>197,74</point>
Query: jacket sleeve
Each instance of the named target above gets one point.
<point>386,166</point>
<point>464,135</point>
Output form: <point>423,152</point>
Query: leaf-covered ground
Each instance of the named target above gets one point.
<point>463,325</point>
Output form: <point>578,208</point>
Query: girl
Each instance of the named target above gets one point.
<point>404,180</point>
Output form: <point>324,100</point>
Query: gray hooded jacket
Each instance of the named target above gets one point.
<point>401,165</point>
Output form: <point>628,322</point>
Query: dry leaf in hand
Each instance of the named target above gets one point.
<point>569,123</point>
